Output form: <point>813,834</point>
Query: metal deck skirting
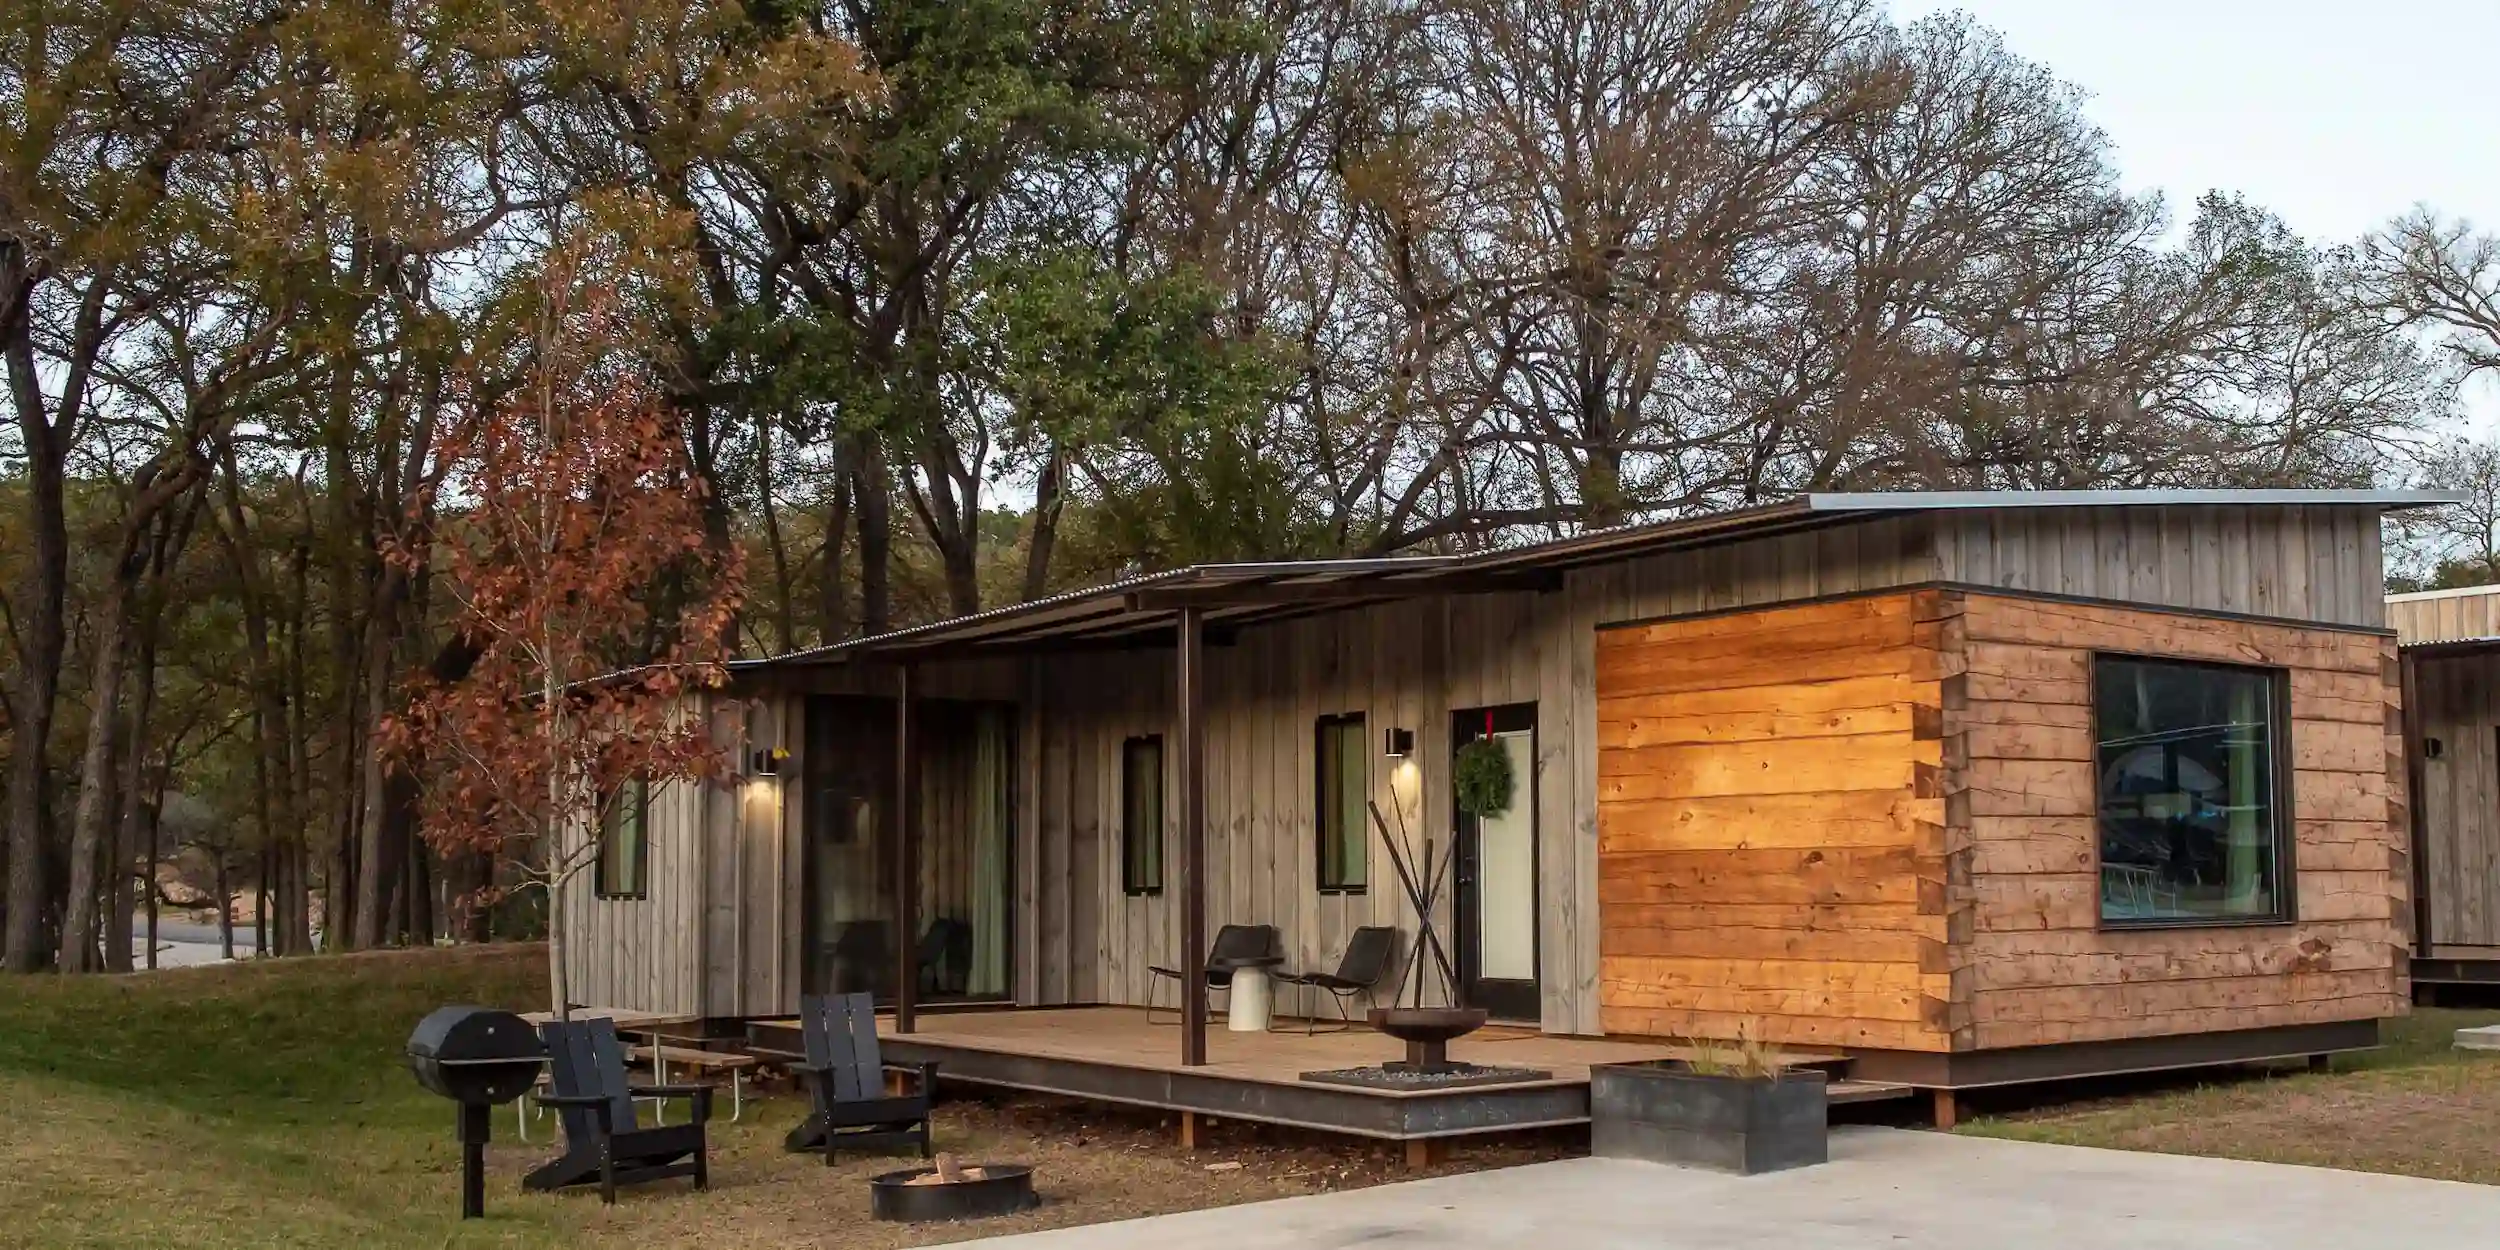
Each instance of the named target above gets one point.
<point>1381,1114</point>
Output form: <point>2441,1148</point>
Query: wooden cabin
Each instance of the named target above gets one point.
<point>1965,788</point>
<point>2451,666</point>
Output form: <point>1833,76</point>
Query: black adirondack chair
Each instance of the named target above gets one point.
<point>602,1141</point>
<point>1232,942</point>
<point>1366,960</point>
<point>844,1076</point>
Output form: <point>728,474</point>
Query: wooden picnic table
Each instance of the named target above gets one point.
<point>660,1055</point>
<point>627,1021</point>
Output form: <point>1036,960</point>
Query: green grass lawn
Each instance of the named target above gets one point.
<point>260,1105</point>
<point>2416,1106</point>
<point>269,1105</point>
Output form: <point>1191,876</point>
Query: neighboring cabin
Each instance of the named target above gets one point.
<point>2451,641</point>
<point>1977,786</point>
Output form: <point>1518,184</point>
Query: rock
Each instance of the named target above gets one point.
<point>2484,1038</point>
<point>1224,1167</point>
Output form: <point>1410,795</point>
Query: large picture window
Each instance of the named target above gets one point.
<point>1344,790</point>
<point>2192,810</point>
<point>1141,815</point>
<point>624,868</point>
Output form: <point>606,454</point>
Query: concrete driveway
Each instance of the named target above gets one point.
<point>1884,1187</point>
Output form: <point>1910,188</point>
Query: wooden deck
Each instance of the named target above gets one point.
<point>1113,1054</point>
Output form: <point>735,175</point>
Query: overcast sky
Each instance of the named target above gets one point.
<point>2336,114</point>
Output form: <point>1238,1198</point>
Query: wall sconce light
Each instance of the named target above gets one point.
<point>1400,744</point>
<point>766,761</point>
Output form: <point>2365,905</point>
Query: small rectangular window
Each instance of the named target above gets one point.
<point>2193,821</point>
<point>1141,815</point>
<point>1344,794</point>
<point>625,842</point>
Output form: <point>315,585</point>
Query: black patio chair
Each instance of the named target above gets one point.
<point>602,1141</point>
<point>846,1081</point>
<point>1367,957</point>
<point>1232,942</point>
<point>862,955</point>
<point>946,957</point>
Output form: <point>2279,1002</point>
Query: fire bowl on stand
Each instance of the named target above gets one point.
<point>1427,1032</point>
<point>976,1191</point>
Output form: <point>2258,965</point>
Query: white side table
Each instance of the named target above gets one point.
<point>1251,1004</point>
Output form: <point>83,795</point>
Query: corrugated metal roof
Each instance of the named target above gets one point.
<point>1930,500</point>
<point>1110,613</point>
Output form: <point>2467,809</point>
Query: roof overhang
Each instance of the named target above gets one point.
<point>1142,611</point>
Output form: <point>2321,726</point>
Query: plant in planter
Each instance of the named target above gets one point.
<point>1482,775</point>
<point>1731,1106</point>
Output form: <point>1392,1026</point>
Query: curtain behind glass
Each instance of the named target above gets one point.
<point>1349,846</point>
<point>991,832</point>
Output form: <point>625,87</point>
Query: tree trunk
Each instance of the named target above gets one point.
<point>91,821</point>
<point>374,865</point>
<point>225,915</point>
<point>1048,498</point>
<point>138,800</point>
<point>559,989</point>
<point>225,918</point>
<point>30,725</point>
<point>785,612</point>
<point>260,906</point>
<point>297,939</point>
<point>875,505</point>
<point>833,611</point>
<point>420,892</point>
<point>40,625</point>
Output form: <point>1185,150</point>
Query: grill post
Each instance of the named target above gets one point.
<point>474,1120</point>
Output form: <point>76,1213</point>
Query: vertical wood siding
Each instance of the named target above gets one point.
<point>2309,564</point>
<point>2460,798</point>
<point>2445,615</point>
<point>647,954</point>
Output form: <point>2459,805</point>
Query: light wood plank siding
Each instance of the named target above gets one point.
<point>2037,968</point>
<point>1771,826</point>
<point>2308,564</point>
<point>2445,615</point>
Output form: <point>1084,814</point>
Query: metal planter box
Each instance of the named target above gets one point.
<point>1669,1114</point>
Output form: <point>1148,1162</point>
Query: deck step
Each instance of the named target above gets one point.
<point>1866,1091</point>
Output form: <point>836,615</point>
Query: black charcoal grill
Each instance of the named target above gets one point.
<point>478,1057</point>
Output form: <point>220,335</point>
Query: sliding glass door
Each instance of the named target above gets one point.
<point>963,813</point>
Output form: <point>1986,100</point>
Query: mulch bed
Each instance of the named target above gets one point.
<point>1091,1164</point>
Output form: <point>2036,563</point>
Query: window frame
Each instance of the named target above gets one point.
<point>639,889</point>
<point>1129,884</point>
<point>1320,756</point>
<point>2280,781</point>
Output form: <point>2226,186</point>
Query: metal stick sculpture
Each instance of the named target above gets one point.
<point>1423,892</point>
